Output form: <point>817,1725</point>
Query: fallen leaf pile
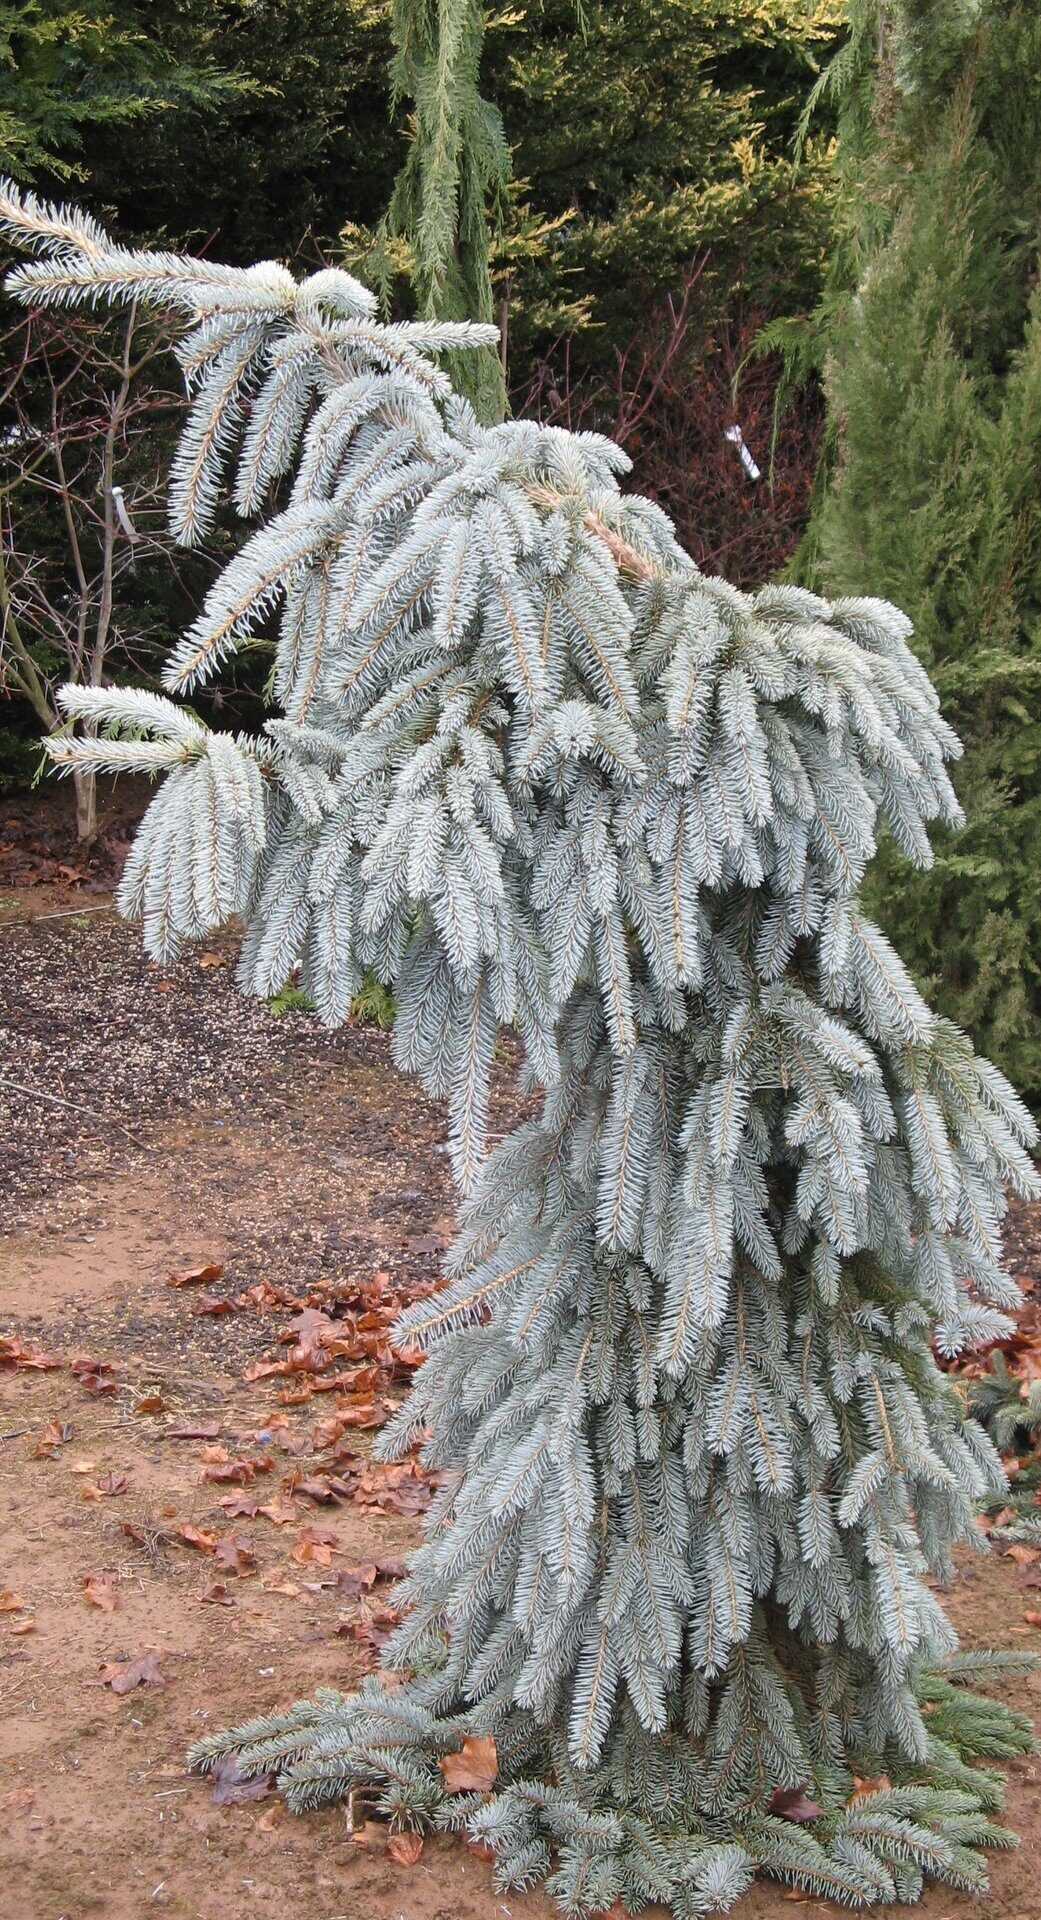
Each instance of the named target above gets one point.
<point>352,1323</point>
<point>16,1357</point>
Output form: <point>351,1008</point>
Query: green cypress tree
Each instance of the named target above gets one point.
<point>536,770</point>
<point>930,341</point>
<point>453,180</point>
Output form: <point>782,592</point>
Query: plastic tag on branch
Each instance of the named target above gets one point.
<point>737,439</point>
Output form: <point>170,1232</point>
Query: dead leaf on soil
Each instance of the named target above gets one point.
<point>56,1434</point>
<point>217,1595</point>
<point>791,1803</point>
<point>124,1675</point>
<point>195,1537</point>
<point>405,1848</point>
<point>197,1276</point>
<point>314,1547</point>
<point>235,1556</point>
<point>16,1357</point>
<point>474,1768</point>
<point>100,1592</point>
<point>1032,1619</point>
<point>206,1430</point>
<point>24,1626</point>
<point>232,1789</point>
<point>1023,1556</point>
<point>113,1483</point>
<point>862,1789</point>
<point>152,1403</point>
<point>281,1512</point>
<point>352,1582</point>
<point>371,1630</point>
<point>97,1376</point>
<point>235,1473</point>
<point>271,1819</point>
<point>11,1602</point>
<point>280,1586</point>
<point>240,1506</point>
<point>212,1304</point>
<point>322,1489</point>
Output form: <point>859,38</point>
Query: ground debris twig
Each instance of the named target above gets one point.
<point>75,1106</point>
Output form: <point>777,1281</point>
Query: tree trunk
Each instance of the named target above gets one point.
<point>84,781</point>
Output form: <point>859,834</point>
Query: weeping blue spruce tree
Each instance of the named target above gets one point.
<point>536,771</point>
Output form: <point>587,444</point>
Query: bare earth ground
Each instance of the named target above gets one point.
<point>217,1134</point>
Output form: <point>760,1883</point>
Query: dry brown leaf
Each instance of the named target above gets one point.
<point>792,1803</point>
<point>113,1483</point>
<point>195,1537</point>
<point>1032,1618</point>
<point>281,1512</point>
<point>11,1602</point>
<point>124,1675</point>
<point>98,1376</point>
<point>100,1591</point>
<point>352,1582</point>
<point>280,1586</point>
<point>881,1783</point>
<point>235,1555</point>
<point>311,1550</point>
<point>240,1506</point>
<point>474,1768</point>
<point>217,1595</point>
<point>55,1435</point>
<point>1023,1556</point>
<point>271,1819</point>
<point>24,1626</point>
<point>197,1276</point>
<point>231,1788</point>
<point>236,1473</point>
<point>17,1357</point>
<point>405,1848</point>
<point>152,1403</point>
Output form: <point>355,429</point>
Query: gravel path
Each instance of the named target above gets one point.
<point>98,1046</point>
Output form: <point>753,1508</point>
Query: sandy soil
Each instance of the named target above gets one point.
<point>304,1164</point>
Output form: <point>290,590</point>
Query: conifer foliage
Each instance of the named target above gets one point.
<point>534,769</point>
<point>929,338</point>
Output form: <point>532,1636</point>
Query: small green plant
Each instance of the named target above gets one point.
<point>373,1005</point>
<point>290,999</point>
